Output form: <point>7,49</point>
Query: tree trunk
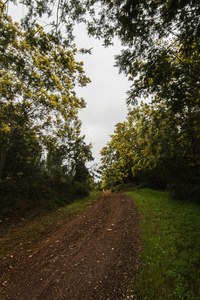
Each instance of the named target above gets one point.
<point>4,154</point>
<point>3,158</point>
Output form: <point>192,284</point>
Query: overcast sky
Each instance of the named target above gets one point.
<point>105,95</point>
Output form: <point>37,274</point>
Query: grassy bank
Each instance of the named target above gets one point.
<point>16,234</point>
<point>170,259</point>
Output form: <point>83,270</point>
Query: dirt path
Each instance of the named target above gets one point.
<point>90,257</point>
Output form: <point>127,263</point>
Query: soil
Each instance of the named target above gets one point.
<point>94,256</point>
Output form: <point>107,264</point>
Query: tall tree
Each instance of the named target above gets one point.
<point>37,80</point>
<point>117,156</point>
<point>66,160</point>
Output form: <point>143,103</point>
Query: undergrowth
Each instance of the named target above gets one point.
<point>170,259</point>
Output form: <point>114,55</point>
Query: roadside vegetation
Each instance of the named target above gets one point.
<point>170,255</point>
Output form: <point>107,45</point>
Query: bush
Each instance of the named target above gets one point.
<point>81,189</point>
<point>185,190</point>
<point>18,197</point>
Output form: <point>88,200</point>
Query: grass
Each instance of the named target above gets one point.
<point>32,230</point>
<point>170,256</point>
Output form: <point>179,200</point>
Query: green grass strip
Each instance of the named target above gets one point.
<point>170,258</point>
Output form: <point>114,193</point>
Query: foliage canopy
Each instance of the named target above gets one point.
<point>159,142</point>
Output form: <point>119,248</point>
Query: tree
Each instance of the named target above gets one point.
<point>37,80</point>
<point>117,156</point>
<point>154,147</point>
<point>41,147</point>
<point>66,161</point>
<point>24,157</point>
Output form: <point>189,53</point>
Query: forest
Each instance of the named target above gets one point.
<point>43,155</point>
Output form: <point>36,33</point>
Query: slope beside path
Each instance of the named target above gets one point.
<point>92,256</point>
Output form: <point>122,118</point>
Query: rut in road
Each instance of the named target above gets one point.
<point>92,256</point>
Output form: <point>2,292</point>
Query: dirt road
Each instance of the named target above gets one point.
<point>90,257</point>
